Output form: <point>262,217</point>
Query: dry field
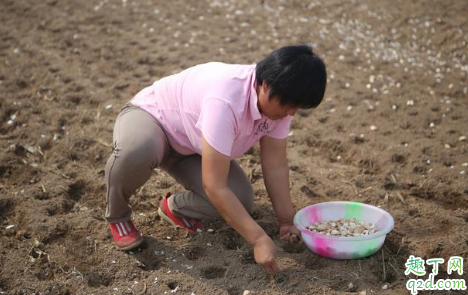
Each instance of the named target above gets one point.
<point>392,132</point>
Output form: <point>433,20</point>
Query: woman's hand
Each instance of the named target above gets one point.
<point>265,254</point>
<point>289,233</point>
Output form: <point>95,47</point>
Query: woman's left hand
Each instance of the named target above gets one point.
<point>289,233</point>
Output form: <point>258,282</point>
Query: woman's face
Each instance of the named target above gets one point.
<point>272,108</point>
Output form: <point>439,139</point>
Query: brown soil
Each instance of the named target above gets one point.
<point>67,66</point>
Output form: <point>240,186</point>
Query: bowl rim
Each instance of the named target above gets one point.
<point>376,235</point>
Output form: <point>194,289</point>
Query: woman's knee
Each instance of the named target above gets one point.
<point>139,139</point>
<point>135,155</point>
<point>240,185</point>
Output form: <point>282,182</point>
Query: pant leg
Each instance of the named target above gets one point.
<point>194,202</point>
<point>140,145</point>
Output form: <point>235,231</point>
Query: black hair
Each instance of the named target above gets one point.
<point>295,75</point>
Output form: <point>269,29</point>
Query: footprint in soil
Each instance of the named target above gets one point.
<point>213,272</point>
<point>271,228</point>
<point>172,285</point>
<point>248,257</point>
<point>146,259</point>
<point>43,272</point>
<point>308,192</point>
<point>63,206</point>
<point>76,190</point>
<point>231,240</point>
<point>315,262</point>
<point>3,286</point>
<point>282,278</point>
<point>293,247</point>
<point>194,252</point>
<point>398,158</point>
<point>234,290</point>
<point>369,166</point>
<point>40,194</point>
<point>6,205</point>
<point>98,279</point>
<point>5,171</point>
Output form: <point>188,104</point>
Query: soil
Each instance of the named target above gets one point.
<point>391,132</point>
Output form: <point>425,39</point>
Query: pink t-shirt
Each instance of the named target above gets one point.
<point>215,100</point>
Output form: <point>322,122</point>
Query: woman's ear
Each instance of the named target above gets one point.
<point>265,87</point>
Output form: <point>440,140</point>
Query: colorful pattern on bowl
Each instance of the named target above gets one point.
<point>343,247</point>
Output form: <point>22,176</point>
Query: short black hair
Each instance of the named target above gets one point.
<point>295,75</point>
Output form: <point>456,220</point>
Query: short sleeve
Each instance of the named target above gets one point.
<point>281,130</point>
<point>218,125</point>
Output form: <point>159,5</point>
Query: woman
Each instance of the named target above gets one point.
<point>194,125</point>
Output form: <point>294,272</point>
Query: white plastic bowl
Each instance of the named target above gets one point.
<point>338,247</point>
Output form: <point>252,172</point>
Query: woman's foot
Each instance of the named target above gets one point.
<point>190,224</point>
<point>125,235</point>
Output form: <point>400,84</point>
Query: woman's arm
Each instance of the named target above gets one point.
<point>276,177</point>
<point>215,169</point>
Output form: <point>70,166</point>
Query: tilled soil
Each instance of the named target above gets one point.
<point>391,132</point>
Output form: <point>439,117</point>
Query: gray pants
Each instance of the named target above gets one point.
<point>141,145</point>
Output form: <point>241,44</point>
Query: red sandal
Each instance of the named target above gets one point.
<point>125,235</point>
<point>190,224</point>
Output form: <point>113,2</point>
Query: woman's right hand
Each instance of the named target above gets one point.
<point>265,254</point>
